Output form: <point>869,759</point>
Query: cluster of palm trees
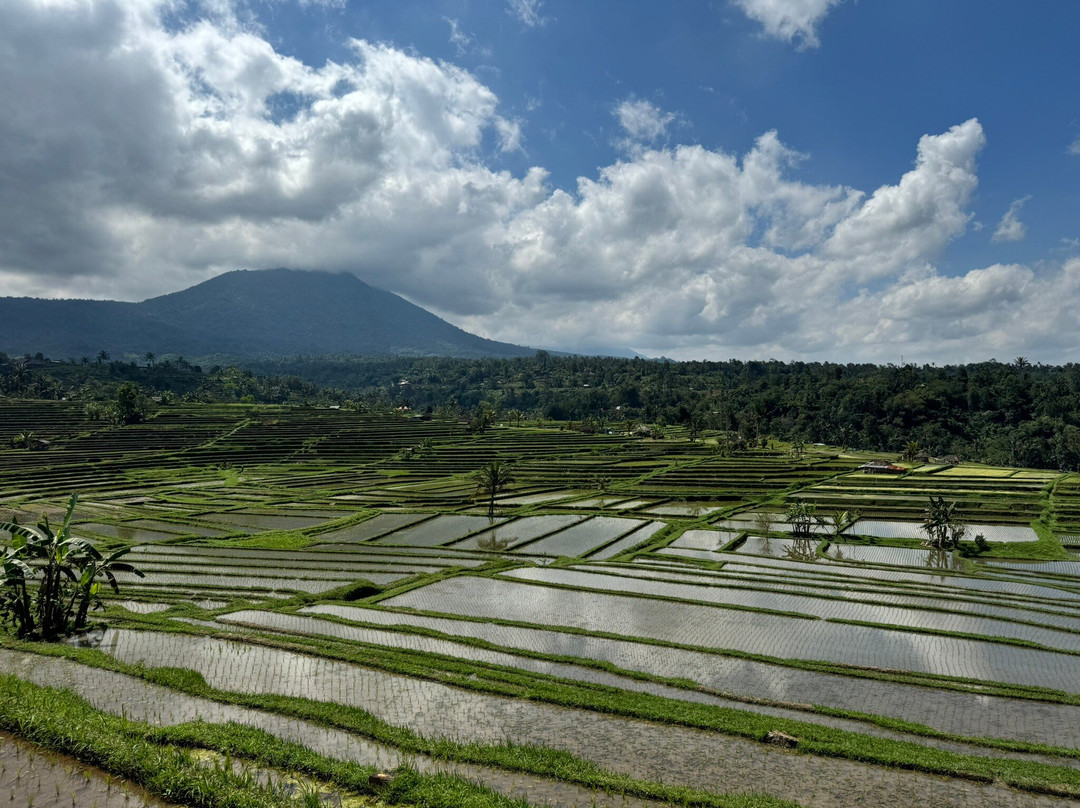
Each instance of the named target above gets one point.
<point>18,379</point>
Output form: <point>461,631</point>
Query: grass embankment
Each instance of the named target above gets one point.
<point>62,722</point>
<point>154,757</point>
<point>814,739</point>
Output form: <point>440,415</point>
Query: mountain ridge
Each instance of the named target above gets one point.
<point>251,314</point>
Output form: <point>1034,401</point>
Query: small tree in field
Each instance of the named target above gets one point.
<point>941,524</point>
<point>131,405</point>
<point>492,479</point>
<point>50,579</point>
<point>801,516</point>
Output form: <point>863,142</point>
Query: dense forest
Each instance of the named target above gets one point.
<point>170,379</point>
<point>1014,414</point>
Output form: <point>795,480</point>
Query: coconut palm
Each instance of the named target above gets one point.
<point>492,479</point>
<point>837,519</point>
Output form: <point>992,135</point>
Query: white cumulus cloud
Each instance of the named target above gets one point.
<point>642,122</point>
<point>790,20</point>
<point>140,157</point>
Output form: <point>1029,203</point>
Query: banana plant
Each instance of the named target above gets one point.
<point>51,578</point>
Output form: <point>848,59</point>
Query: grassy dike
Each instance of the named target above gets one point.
<point>62,722</point>
<point>814,739</point>
<point>155,757</point>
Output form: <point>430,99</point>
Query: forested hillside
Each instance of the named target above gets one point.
<point>1013,413</point>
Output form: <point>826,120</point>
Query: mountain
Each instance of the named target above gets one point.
<point>243,314</point>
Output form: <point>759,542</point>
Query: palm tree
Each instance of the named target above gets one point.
<point>17,377</point>
<point>102,356</point>
<point>837,519</point>
<point>911,450</point>
<point>492,479</point>
<point>149,357</point>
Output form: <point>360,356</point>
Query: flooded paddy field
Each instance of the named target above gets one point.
<point>709,761</point>
<point>634,603</point>
<point>750,632</point>
<point>31,776</point>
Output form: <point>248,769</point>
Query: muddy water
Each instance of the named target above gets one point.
<point>952,712</point>
<point>642,749</point>
<point>31,776</point>
<point>142,701</point>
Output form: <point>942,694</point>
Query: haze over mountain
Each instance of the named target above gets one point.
<point>243,314</point>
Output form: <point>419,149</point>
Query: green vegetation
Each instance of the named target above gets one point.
<point>491,480</point>
<point>723,587</point>
<point>813,739</point>
<point>1019,415</point>
<point>993,412</point>
<point>940,524</point>
<point>51,578</point>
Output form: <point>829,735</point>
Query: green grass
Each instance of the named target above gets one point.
<point>269,540</point>
<point>814,738</point>
<point>153,757</point>
<point>63,722</point>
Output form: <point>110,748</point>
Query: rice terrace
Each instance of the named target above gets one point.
<point>334,607</point>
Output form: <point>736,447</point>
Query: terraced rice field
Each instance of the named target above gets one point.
<point>651,628</point>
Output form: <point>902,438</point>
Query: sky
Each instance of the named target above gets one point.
<point>844,180</point>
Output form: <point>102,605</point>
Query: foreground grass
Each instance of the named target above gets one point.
<point>62,722</point>
<point>153,757</point>
<point>813,738</point>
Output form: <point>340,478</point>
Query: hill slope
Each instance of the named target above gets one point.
<point>243,314</point>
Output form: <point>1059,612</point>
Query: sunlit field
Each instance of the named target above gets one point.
<point>327,596</point>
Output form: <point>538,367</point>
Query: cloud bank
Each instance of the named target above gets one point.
<point>140,157</point>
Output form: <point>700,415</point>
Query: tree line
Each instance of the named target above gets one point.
<point>1009,413</point>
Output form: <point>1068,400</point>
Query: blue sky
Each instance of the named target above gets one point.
<point>814,179</point>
